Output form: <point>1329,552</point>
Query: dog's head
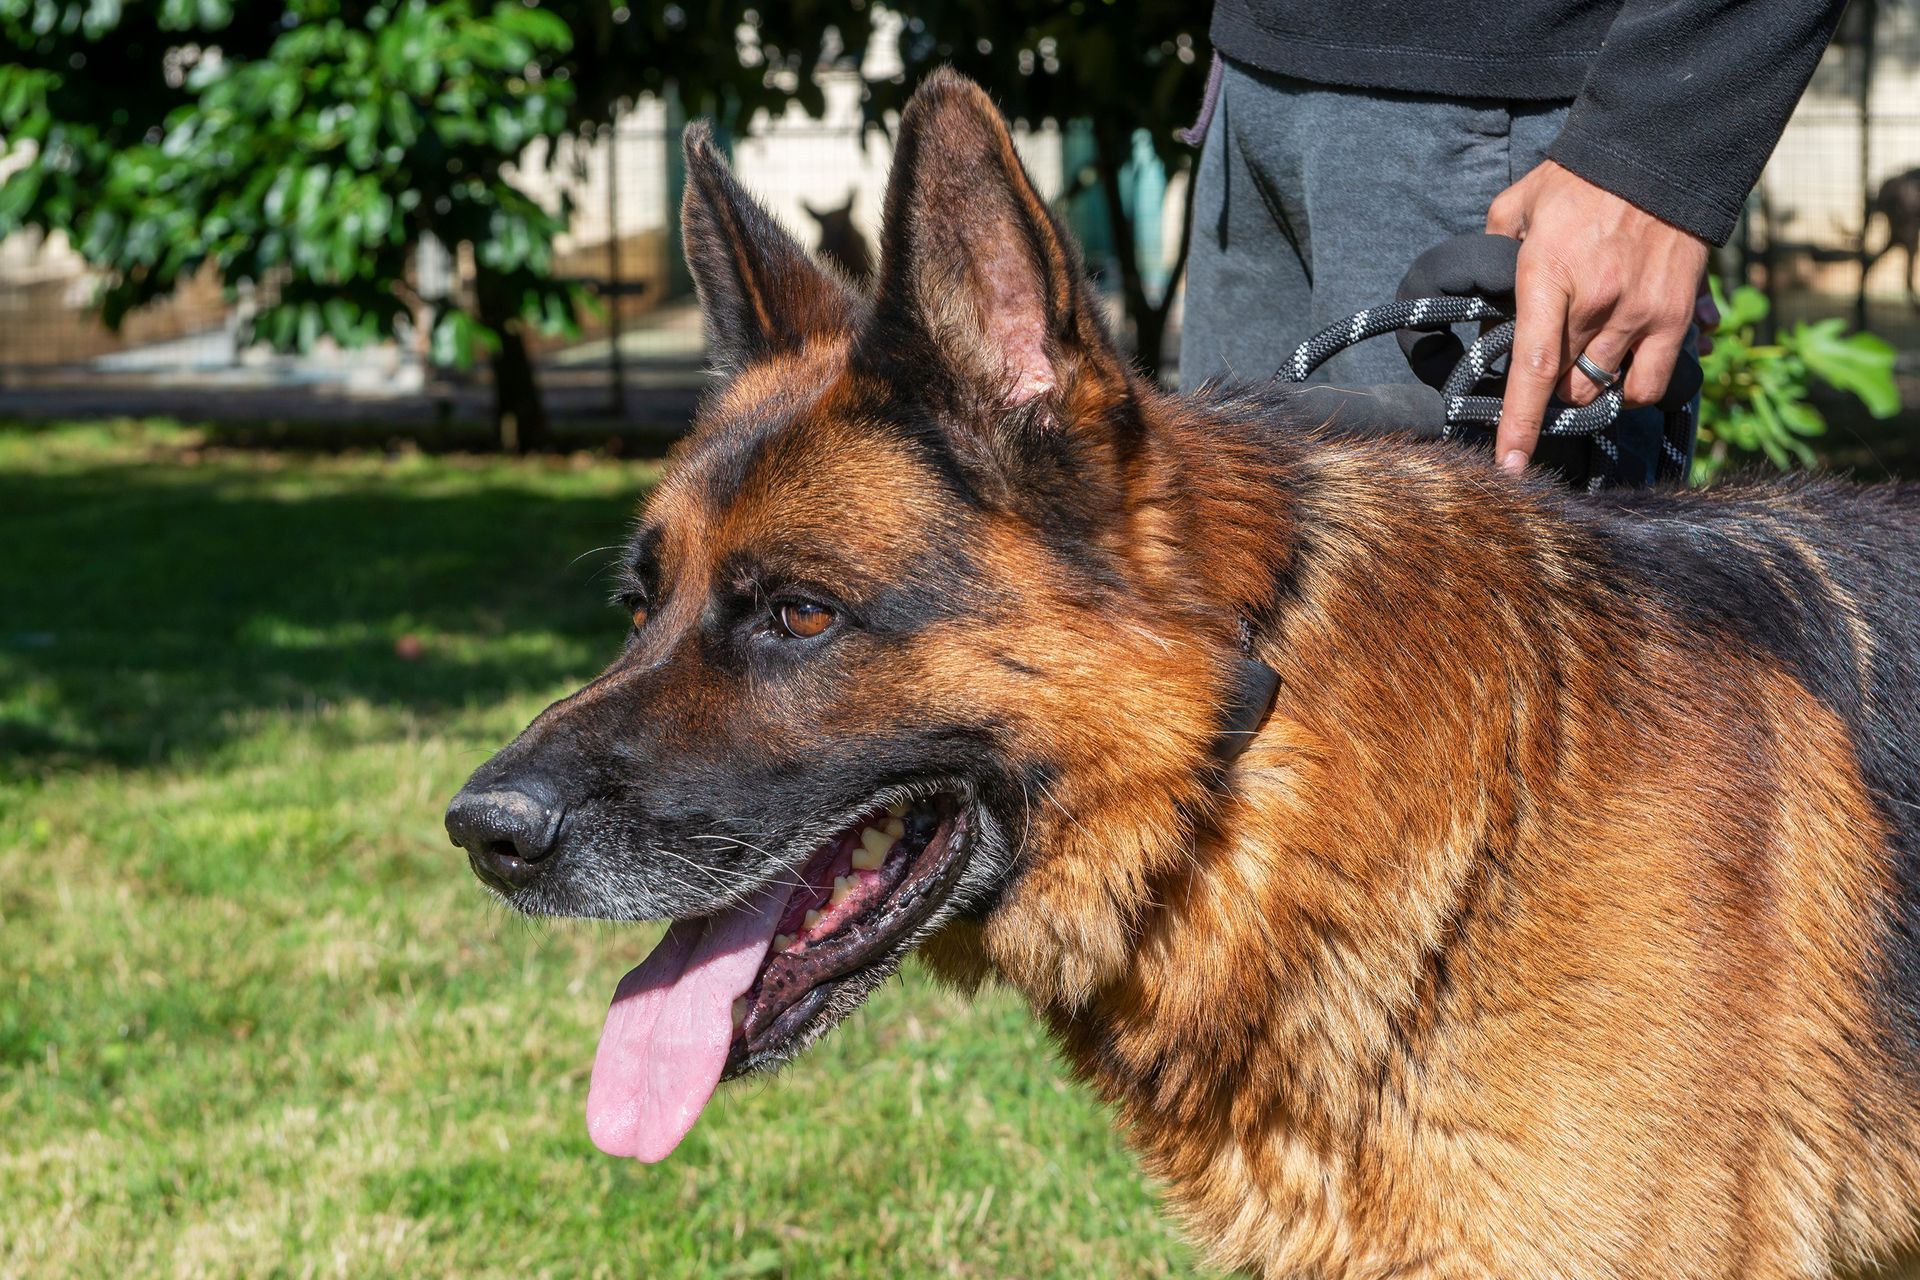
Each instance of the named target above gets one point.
<point>908,619</point>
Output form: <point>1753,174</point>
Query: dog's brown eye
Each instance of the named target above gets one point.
<point>639,616</point>
<point>804,621</point>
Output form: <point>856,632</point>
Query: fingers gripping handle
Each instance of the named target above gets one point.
<point>1468,279</point>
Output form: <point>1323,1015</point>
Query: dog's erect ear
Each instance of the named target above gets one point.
<point>972,258</point>
<point>760,293</point>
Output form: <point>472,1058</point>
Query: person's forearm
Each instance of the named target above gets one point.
<point>1685,103</point>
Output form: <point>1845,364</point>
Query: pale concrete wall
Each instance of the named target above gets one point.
<point>787,162</point>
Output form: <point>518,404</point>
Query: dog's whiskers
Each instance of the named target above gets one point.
<point>1046,793</point>
<point>735,840</point>
<point>590,552</point>
<point>715,878</point>
<point>749,845</point>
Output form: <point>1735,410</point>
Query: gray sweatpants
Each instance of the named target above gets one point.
<point>1311,201</point>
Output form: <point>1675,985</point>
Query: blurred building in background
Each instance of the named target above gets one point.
<point>1842,193</point>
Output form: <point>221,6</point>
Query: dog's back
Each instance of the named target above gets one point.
<point>1823,579</point>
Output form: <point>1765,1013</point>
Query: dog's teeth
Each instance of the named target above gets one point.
<point>895,827</point>
<point>842,886</point>
<point>898,809</point>
<point>781,941</point>
<point>867,859</point>
<point>811,919</point>
<point>739,1012</point>
<point>875,844</point>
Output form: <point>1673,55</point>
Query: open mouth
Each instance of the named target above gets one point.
<point>726,993</point>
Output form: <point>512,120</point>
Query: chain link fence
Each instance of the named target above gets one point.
<point>1832,227</point>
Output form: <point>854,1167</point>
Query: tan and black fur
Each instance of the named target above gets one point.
<point>1558,922</point>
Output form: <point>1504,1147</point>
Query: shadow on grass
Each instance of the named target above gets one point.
<point>642,439</point>
<point>152,605</point>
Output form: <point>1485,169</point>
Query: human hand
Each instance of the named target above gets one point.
<point>1596,275</point>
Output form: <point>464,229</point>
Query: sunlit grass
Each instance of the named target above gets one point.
<point>257,1019</point>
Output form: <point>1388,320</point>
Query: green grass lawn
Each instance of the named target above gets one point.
<point>256,1017</point>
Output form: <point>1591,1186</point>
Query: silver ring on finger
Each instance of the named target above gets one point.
<point>1601,378</point>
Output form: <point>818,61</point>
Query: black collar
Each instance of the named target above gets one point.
<point>1249,700</point>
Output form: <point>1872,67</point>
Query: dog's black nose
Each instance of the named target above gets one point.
<point>506,831</point>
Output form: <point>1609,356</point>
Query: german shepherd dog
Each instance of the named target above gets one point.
<point>1442,876</point>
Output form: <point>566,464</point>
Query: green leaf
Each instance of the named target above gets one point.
<point>307,332</point>
<point>1856,362</point>
<point>17,195</point>
<point>458,337</point>
<point>1747,307</point>
<point>1802,418</point>
<point>536,26</point>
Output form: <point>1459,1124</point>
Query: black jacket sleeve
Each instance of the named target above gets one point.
<point>1686,100</point>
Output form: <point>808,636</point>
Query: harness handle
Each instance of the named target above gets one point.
<point>1465,281</point>
<point>1462,409</point>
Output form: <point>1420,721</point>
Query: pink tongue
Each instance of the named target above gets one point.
<point>667,1033</point>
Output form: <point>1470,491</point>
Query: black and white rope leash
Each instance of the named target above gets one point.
<point>1372,322</point>
<point>1462,407</point>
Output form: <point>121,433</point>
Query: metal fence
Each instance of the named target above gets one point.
<point>1813,238</point>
